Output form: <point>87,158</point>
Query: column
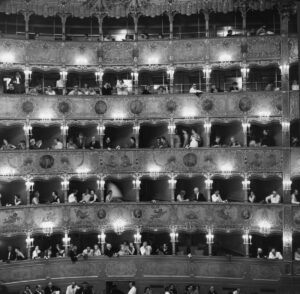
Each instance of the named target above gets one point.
<point>206,16</point>
<point>207,73</point>
<point>27,15</point>
<point>246,126</point>
<point>207,130</point>
<point>27,131</point>
<point>172,187</point>
<point>27,73</point>
<point>29,244</point>
<point>286,185</point>
<point>100,18</point>
<point>209,240</point>
<point>135,78</point>
<point>208,186</point>
<point>135,17</point>
<point>171,15</point>
<point>284,26</point>
<point>287,234</point>
<point>244,71</point>
<point>171,131</point>
<point>101,186</point>
<point>137,187</point>
<point>174,239</point>
<point>247,241</point>
<point>101,240</point>
<point>243,10</point>
<point>101,132</point>
<point>29,188</point>
<point>246,186</point>
<point>99,79</point>
<point>63,17</point>
<point>66,242</point>
<point>138,240</point>
<point>170,73</point>
<point>65,187</point>
<point>285,127</point>
<point>136,133</point>
<point>64,128</point>
<point>63,76</point>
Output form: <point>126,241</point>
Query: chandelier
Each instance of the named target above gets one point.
<point>119,226</point>
<point>47,228</point>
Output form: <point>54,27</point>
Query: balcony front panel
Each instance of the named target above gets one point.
<point>144,107</point>
<point>295,162</point>
<point>145,268</point>
<point>153,52</point>
<point>293,45</point>
<point>188,217</point>
<point>50,163</point>
<point>294,104</point>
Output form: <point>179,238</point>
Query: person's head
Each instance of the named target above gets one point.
<point>96,247</point>
<point>55,194</point>
<point>229,33</point>
<point>38,287</point>
<point>37,248</point>
<point>9,248</point>
<point>121,81</point>
<point>163,139</point>
<point>73,284</point>
<point>93,139</point>
<point>92,191</point>
<point>108,246</point>
<point>295,82</point>
<point>265,132</point>
<point>218,139</point>
<point>75,88</point>
<point>273,250</point>
<point>145,243</point>
<point>193,131</point>
<point>80,136</point>
<point>259,251</point>
<point>49,88</point>
<point>251,193</point>
<point>274,193</point>
<point>18,75</point>
<point>196,190</point>
<point>234,84</point>
<point>27,288</point>
<point>107,139</point>
<point>213,87</point>
<point>217,192</point>
<point>109,192</point>
<point>147,290</point>
<point>182,193</point>
<point>211,288</point>
<point>296,192</point>
<point>32,142</point>
<point>184,132</point>
<point>85,85</point>
<point>131,284</point>
<point>36,194</point>
<point>194,86</point>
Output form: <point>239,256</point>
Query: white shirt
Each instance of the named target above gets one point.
<point>295,87</point>
<point>59,84</point>
<point>273,199</point>
<point>146,250</point>
<point>58,145</point>
<point>194,91</point>
<point>276,256</point>
<point>132,290</point>
<point>72,198</point>
<point>216,198</point>
<point>35,254</point>
<point>71,290</point>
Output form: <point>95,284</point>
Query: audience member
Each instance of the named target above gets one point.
<point>212,290</point>
<point>57,144</point>
<point>216,197</point>
<point>274,198</point>
<point>73,288</point>
<point>197,196</point>
<point>97,251</point>
<point>295,86</point>
<point>297,254</point>
<point>18,83</point>
<point>195,139</point>
<point>146,90</point>
<point>146,249</point>
<point>186,139</point>
<point>75,91</point>
<point>234,143</point>
<point>10,255</point>
<point>234,87</point>
<point>71,144</point>
<point>49,91</point>
<point>295,197</point>
<point>80,141</point>
<point>122,88</point>
<point>36,198</point>
<point>27,290</point>
<point>55,197</point>
<point>108,250</point>
<point>181,196</point>
<point>275,254</point>
<point>36,253</point>
<point>251,197</point>
<point>194,90</point>
<point>216,142</point>
<point>259,253</point>
<point>72,198</point>
<point>38,290</point>
<point>214,89</point>
<point>7,146</point>
<point>132,288</point>
<point>106,89</point>
<point>94,144</point>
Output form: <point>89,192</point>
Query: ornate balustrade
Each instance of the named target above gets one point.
<point>50,54</point>
<point>145,268</point>
<point>179,106</point>
<point>150,216</point>
<point>51,163</point>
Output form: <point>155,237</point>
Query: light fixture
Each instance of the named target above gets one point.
<point>101,128</point>
<point>63,75</point>
<point>136,128</point>
<point>47,228</point>
<point>29,185</point>
<point>286,184</point>
<point>287,239</point>
<point>65,183</point>
<point>285,126</point>
<point>153,60</point>
<point>172,182</point>
<point>135,75</point>
<point>29,240</point>
<point>66,240</point>
<point>246,183</point>
<point>265,114</point>
<point>81,60</point>
<point>99,75</point>
<point>119,226</point>
<point>225,57</point>
<point>118,115</point>
<point>226,169</point>
<point>247,238</point>
<point>174,234</point>
<point>284,68</point>
<point>207,126</point>
<point>27,128</point>
<point>264,227</point>
<point>7,171</point>
<point>246,126</point>
<point>189,112</point>
<point>27,73</point>
<point>245,71</point>
<point>82,171</point>
<point>154,172</point>
<point>64,128</point>
<point>7,57</point>
<point>208,183</point>
<point>101,183</point>
<point>210,236</point>
<point>137,236</point>
<point>207,71</point>
<point>170,72</point>
<point>102,237</point>
<point>171,126</point>
<point>136,183</point>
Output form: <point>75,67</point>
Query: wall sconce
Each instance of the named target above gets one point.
<point>47,228</point>
<point>119,226</point>
<point>101,184</point>
<point>154,172</point>
<point>7,57</point>
<point>170,72</point>
<point>207,71</point>
<point>7,171</point>
<point>245,71</point>
<point>64,128</point>
<point>208,183</point>
<point>287,239</point>
<point>286,184</point>
<point>207,126</point>
<point>135,75</point>
<point>65,184</point>
<point>66,240</point>
<point>137,236</point>
<point>226,169</point>
<point>264,227</point>
<point>174,235</point>
<point>284,68</point>
<point>81,60</point>
<point>119,116</point>
<point>136,128</point>
<point>246,184</point>
<point>136,183</point>
<point>63,75</point>
<point>210,236</point>
<point>171,126</point>
<point>27,73</point>
<point>246,126</point>
<point>99,75</point>
<point>29,241</point>
<point>27,128</point>
<point>264,115</point>
<point>285,126</point>
<point>225,58</point>
<point>172,182</point>
<point>29,185</point>
<point>247,238</point>
<point>101,128</point>
<point>102,237</point>
<point>82,171</point>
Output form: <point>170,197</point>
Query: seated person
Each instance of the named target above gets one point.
<point>217,142</point>
<point>87,252</point>
<point>214,89</point>
<point>295,142</point>
<point>269,87</point>
<point>164,143</point>
<point>259,253</point>
<point>36,198</point>
<point>145,249</point>
<point>164,250</point>
<point>19,254</point>
<point>234,143</point>
<point>234,87</point>
<point>295,86</point>
<point>229,33</point>
<point>266,140</point>
<point>251,197</point>
<point>17,200</point>
<point>275,254</point>
<point>297,254</point>
<point>37,90</point>
<point>261,31</point>
<point>122,88</point>
<point>75,91</point>
<point>194,90</point>
<point>86,197</point>
<point>7,146</point>
<point>97,251</point>
<point>274,198</point>
<point>162,90</point>
<point>72,198</point>
<point>216,197</point>
<point>10,89</point>
<point>36,253</point>
<point>55,197</point>
<point>146,90</point>
<point>71,144</point>
<point>49,91</point>
<point>181,196</point>
<point>295,197</point>
<point>107,89</point>
<point>57,144</point>
<point>94,144</point>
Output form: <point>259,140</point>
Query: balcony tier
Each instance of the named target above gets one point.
<point>154,216</point>
<point>51,163</point>
<point>148,107</point>
<point>49,54</point>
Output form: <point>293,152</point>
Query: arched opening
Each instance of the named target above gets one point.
<point>14,135</point>
<point>9,190</point>
<point>45,188</point>
<point>80,136</point>
<point>154,189</point>
<point>151,134</point>
<point>184,80</point>
<point>120,135</point>
<point>226,80</point>
<point>153,82</point>
<point>44,136</point>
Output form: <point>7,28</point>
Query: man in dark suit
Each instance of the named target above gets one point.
<point>18,83</point>
<point>50,289</point>
<point>94,144</point>
<point>197,196</point>
<point>80,141</point>
<point>10,255</point>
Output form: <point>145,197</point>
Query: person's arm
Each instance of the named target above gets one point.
<point>268,199</point>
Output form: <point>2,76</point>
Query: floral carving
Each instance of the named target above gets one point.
<point>100,107</point>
